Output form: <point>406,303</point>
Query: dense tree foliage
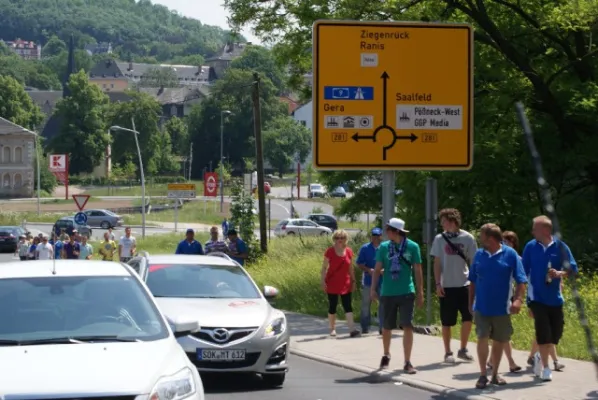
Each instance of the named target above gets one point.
<point>16,106</point>
<point>542,53</point>
<point>285,141</point>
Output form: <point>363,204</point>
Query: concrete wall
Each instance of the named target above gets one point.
<point>16,166</point>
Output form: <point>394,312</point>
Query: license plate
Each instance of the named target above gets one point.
<point>220,355</point>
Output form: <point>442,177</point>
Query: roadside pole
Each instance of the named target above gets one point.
<point>269,219</point>
<point>176,215</point>
<point>429,232</point>
<point>388,196</point>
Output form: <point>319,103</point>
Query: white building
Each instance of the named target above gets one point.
<point>17,149</point>
<point>304,115</point>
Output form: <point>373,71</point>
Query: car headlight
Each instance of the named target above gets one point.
<point>276,327</point>
<point>174,387</point>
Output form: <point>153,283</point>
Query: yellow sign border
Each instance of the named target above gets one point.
<point>395,167</point>
<point>175,187</point>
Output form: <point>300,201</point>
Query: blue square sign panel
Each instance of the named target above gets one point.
<point>348,93</point>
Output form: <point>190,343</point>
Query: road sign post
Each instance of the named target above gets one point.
<point>178,192</point>
<point>392,96</point>
<point>429,234</point>
<point>81,201</point>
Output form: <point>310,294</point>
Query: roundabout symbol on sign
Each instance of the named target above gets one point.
<point>211,184</point>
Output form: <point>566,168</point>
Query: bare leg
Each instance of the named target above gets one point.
<point>483,352</point>
<point>513,367</point>
<point>332,323</point>
<point>446,339</point>
<point>407,342</point>
<point>386,336</point>
<point>465,332</point>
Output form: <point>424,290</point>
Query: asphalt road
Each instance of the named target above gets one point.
<point>310,380</point>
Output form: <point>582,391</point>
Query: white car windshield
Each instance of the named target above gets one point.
<point>200,281</point>
<point>80,308</point>
<point>316,187</point>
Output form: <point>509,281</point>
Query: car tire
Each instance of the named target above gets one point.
<point>290,233</point>
<point>324,234</point>
<point>274,380</point>
<point>105,225</point>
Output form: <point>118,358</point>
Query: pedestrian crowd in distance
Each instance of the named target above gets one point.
<point>484,285</point>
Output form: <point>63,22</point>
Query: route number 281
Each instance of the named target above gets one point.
<point>339,136</point>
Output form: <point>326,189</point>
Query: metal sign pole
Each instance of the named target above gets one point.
<point>429,234</point>
<point>176,215</point>
<point>388,196</point>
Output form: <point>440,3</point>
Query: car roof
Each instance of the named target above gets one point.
<point>43,268</point>
<point>189,259</point>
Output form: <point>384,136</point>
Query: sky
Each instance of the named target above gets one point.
<point>209,12</point>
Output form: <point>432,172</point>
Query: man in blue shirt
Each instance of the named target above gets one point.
<point>366,261</point>
<point>546,261</point>
<point>490,291</point>
<point>237,249</point>
<point>189,245</point>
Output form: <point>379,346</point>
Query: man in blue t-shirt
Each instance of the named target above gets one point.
<point>189,245</point>
<point>546,261</point>
<point>490,292</point>
<point>237,249</point>
<point>366,261</point>
<point>57,243</point>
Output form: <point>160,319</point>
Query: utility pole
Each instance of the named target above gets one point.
<point>190,159</point>
<point>259,155</point>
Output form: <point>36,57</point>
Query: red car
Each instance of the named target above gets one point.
<point>267,188</point>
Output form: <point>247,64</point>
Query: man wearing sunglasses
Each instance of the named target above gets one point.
<point>399,258</point>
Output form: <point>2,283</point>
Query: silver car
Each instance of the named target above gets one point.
<point>103,218</point>
<point>240,330</point>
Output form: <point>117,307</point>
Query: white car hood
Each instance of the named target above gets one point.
<point>224,313</point>
<point>88,369</point>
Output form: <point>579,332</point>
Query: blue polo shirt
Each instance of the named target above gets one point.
<point>238,247</point>
<point>535,262</point>
<point>57,249</point>
<point>185,247</point>
<point>367,257</point>
<point>492,276</point>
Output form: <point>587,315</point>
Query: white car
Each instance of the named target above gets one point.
<point>88,329</point>
<point>300,227</point>
<point>316,190</point>
<point>241,331</point>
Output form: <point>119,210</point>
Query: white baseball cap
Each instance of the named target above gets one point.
<point>397,224</point>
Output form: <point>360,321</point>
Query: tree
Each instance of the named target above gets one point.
<point>285,141</point>
<point>83,132</point>
<point>179,134</point>
<point>258,58</point>
<point>28,72</point>
<point>47,179</point>
<point>159,77</point>
<point>166,162</point>
<point>53,47</point>
<point>16,106</point>
<point>241,210</point>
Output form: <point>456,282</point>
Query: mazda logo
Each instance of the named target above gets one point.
<point>221,335</point>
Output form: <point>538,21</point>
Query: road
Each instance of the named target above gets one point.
<point>310,380</point>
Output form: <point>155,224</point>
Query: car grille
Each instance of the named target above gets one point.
<point>250,359</point>
<point>222,336</point>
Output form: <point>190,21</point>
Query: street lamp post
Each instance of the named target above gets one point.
<point>222,114</point>
<point>136,133</point>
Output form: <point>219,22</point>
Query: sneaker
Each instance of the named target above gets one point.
<point>558,366</point>
<point>449,358</point>
<point>379,331</point>
<point>537,365</point>
<point>384,362</point>
<point>463,354</point>
<point>333,333</point>
<point>355,333</point>
<point>546,375</point>
<point>530,361</point>
<point>408,369</point>
<point>365,331</point>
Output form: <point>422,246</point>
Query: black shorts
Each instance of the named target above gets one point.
<point>549,322</point>
<point>454,302</point>
<point>404,305</point>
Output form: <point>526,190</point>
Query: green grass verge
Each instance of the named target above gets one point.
<point>16,218</point>
<point>150,190</point>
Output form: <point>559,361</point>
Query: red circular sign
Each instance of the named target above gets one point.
<point>211,184</point>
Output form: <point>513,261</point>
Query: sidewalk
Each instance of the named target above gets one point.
<point>310,339</point>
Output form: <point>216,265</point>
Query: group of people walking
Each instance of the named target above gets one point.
<point>485,286</point>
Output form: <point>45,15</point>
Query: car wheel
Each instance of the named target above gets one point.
<point>324,233</point>
<point>105,225</point>
<point>290,233</point>
<point>274,380</point>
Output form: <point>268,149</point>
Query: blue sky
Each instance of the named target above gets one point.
<point>209,12</point>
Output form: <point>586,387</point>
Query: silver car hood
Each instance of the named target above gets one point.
<point>223,313</point>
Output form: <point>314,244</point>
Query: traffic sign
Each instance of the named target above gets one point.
<point>181,191</point>
<point>58,162</point>
<point>210,182</point>
<point>81,200</point>
<point>392,96</point>
<point>80,218</point>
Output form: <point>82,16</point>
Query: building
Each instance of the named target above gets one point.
<point>98,48</point>
<point>221,61</point>
<point>305,116</point>
<point>291,103</point>
<point>178,102</point>
<point>25,49</point>
<point>118,76</point>
<point>17,150</point>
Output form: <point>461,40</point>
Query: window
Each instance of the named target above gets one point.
<point>18,155</point>
<point>18,180</point>
<point>6,180</point>
<point>78,306</point>
<point>6,155</point>
<point>200,281</point>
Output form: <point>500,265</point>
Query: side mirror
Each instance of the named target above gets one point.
<point>270,292</point>
<point>184,327</point>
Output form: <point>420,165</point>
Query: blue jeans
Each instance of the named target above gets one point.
<point>366,309</point>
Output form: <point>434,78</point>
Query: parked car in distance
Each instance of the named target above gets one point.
<point>324,220</point>
<point>103,218</point>
<point>240,331</point>
<point>267,188</point>
<point>316,190</point>
<point>80,328</point>
<point>338,192</point>
<point>9,237</point>
<point>300,226</point>
<point>69,225</point>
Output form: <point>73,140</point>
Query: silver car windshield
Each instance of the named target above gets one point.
<point>109,307</point>
<point>200,281</point>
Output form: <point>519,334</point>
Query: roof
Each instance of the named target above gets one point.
<point>230,51</point>
<point>113,68</point>
<point>189,259</point>
<point>47,99</point>
<point>177,95</point>
<point>43,268</point>
<point>9,128</point>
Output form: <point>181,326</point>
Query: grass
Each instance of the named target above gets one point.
<point>150,190</point>
<point>16,218</point>
<point>194,211</point>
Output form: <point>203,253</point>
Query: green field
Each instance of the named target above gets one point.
<point>158,189</point>
<point>193,211</point>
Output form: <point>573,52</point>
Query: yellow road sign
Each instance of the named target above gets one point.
<point>390,95</point>
<point>181,186</point>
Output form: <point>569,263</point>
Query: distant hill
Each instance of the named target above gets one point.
<point>135,28</point>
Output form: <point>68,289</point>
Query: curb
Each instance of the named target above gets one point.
<point>415,383</point>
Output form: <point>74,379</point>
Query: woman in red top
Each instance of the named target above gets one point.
<point>338,279</point>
